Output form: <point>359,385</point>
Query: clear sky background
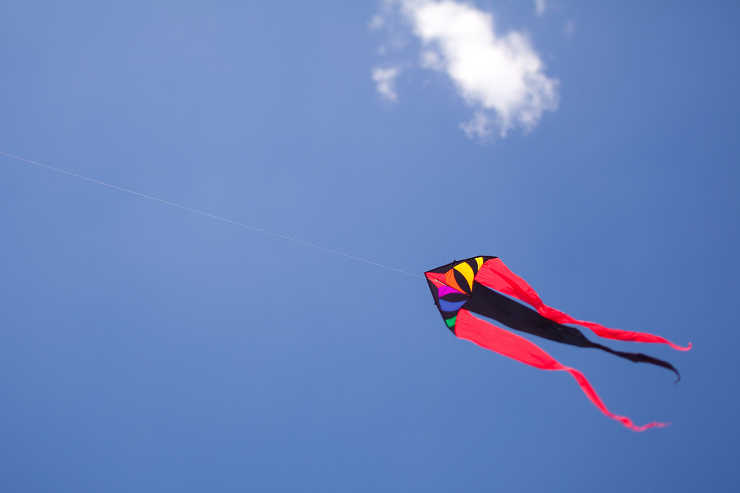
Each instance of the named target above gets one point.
<point>147,348</point>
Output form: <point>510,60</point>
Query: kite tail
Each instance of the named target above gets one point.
<point>594,397</point>
<point>520,349</point>
<point>607,333</point>
<point>639,358</point>
<point>494,274</point>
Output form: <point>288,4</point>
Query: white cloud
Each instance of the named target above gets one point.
<point>376,22</point>
<point>569,29</point>
<point>499,76</point>
<point>385,79</point>
<point>478,126</point>
<point>539,7</point>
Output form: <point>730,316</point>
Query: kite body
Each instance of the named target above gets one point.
<point>484,286</point>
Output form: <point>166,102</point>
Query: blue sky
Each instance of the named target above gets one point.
<point>147,348</point>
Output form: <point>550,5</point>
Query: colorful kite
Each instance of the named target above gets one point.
<point>486,287</point>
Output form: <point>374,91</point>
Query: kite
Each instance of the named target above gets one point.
<point>485,286</point>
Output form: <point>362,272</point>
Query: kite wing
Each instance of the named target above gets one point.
<point>486,287</point>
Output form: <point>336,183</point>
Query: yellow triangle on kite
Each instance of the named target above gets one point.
<point>467,272</point>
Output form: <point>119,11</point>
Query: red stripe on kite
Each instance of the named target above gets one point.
<point>440,278</point>
<point>494,274</point>
<point>513,346</point>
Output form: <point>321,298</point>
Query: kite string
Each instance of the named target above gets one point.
<point>209,215</point>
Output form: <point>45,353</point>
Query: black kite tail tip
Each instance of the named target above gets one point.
<point>669,366</point>
<point>639,358</point>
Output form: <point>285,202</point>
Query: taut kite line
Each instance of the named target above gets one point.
<point>486,287</point>
<point>206,214</point>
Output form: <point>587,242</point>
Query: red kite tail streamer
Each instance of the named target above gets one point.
<point>495,275</point>
<point>520,349</point>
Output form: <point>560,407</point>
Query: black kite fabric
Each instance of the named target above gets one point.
<point>486,287</point>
